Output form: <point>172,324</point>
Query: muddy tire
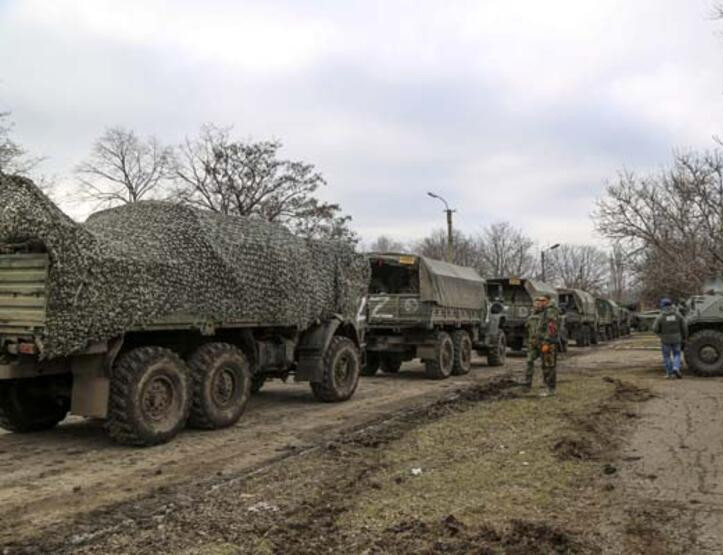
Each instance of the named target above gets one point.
<point>29,405</point>
<point>704,353</point>
<point>221,381</point>
<point>342,366</point>
<point>462,363</point>
<point>257,382</point>
<point>580,337</point>
<point>498,354</point>
<point>373,361</point>
<point>391,364</point>
<point>593,336</point>
<point>150,397</point>
<point>440,368</point>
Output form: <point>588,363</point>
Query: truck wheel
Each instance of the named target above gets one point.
<point>342,365</point>
<point>440,367</point>
<point>704,353</point>
<point>372,364</point>
<point>391,363</point>
<point>498,354</point>
<point>462,363</point>
<point>221,380</point>
<point>150,397</point>
<point>257,382</point>
<point>28,405</point>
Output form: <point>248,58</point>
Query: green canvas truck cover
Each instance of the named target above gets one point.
<point>450,285</point>
<point>131,266</point>
<point>441,283</point>
<point>584,300</point>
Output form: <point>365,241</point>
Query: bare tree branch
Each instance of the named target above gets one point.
<point>124,168</point>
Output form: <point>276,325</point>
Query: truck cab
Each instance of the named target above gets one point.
<point>518,295</point>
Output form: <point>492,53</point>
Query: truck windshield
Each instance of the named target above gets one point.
<point>394,279</point>
<point>516,294</point>
<point>568,301</point>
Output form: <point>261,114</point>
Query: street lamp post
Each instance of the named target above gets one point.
<point>542,256</point>
<point>450,240</point>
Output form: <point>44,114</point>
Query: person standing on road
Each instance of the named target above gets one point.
<point>670,326</point>
<point>543,337</point>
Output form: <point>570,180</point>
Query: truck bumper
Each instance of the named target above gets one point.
<point>29,367</point>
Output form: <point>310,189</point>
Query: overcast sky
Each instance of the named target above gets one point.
<point>512,110</point>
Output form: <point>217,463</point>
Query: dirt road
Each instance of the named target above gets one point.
<point>671,466</point>
<point>52,476</point>
<point>621,461</point>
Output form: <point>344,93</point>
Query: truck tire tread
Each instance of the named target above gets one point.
<point>121,424</point>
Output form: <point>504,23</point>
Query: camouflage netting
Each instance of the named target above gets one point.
<point>130,266</point>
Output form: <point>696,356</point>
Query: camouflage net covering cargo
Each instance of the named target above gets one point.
<point>131,266</point>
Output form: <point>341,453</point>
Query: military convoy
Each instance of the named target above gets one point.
<point>430,310</point>
<point>153,316</point>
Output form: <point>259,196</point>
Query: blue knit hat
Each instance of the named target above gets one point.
<point>665,301</point>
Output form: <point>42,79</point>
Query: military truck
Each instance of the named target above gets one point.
<point>431,310</point>
<point>580,315</point>
<point>518,296</point>
<point>154,315</point>
<point>704,347</point>
<point>606,319</point>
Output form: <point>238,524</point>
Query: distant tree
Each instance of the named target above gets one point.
<point>506,251</point>
<point>14,159</point>
<point>465,252</point>
<point>386,244</point>
<point>579,267</point>
<point>125,168</point>
<point>669,223</point>
<point>218,173</point>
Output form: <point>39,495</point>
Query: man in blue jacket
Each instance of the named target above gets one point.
<point>670,326</point>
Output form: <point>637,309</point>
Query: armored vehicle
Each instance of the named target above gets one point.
<point>153,315</point>
<point>580,315</point>
<point>427,309</point>
<point>704,347</point>
<point>518,296</point>
<point>606,319</point>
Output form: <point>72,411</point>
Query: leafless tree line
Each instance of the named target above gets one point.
<point>669,223</point>
<point>501,250</point>
<point>216,172</point>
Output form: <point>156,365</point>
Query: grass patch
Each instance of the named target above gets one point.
<point>493,463</point>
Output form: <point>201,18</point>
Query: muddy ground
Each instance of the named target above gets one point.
<point>620,461</point>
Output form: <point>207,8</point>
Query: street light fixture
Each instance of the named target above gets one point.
<point>449,211</point>
<point>542,256</point>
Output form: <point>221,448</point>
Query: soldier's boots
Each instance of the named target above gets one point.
<point>528,377</point>
<point>548,393</point>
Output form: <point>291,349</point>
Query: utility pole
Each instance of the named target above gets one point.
<point>450,236</point>
<point>542,257</point>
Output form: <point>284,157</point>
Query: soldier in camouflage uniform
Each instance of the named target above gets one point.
<point>542,333</point>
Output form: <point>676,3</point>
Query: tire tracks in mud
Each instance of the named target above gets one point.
<point>87,530</point>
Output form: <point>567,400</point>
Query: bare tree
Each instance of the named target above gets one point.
<point>465,253</point>
<point>579,267</point>
<point>249,179</point>
<point>384,243</point>
<point>506,251</point>
<point>14,159</point>
<point>125,168</point>
<point>669,223</point>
